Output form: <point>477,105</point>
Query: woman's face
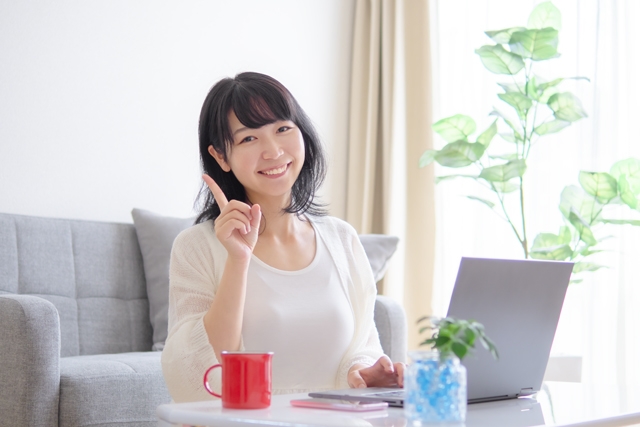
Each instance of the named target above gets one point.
<point>266,160</point>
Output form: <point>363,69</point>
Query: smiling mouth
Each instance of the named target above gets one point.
<point>276,171</point>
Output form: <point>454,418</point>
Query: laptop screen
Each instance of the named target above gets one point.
<point>519,304</point>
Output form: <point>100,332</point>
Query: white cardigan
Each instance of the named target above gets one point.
<point>197,263</point>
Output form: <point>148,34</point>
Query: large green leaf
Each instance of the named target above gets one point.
<point>565,234</point>
<point>635,222</point>
<point>507,157</point>
<point>583,229</point>
<point>581,266</point>
<point>427,158</point>
<point>551,127</point>
<point>521,103</point>
<point>485,137</point>
<point>506,187</point>
<point>626,194</point>
<point>455,128</point>
<point>588,250</point>
<point>546,240</point>
<point>601,185</point>
<point>439,179</point>
<point>481,200</point>
<point>513,87</point>
<point>546,94</point>
<point>545,15</point>
<point>516,131</point>
<point>503,36</point>
<point>552,83</point>
<point>459,154</point>
<point>562,238</point>
<point>585,205</point>
<point>557,253</point>
<point>535,44</point>
<point>550,246</point>
<point>630,168</point>
<point>503,173</point>
<point>531,89</point>
<point>566,107</point>
<point>542,86</point>
<point>499,61</point>
<point>509,137</point>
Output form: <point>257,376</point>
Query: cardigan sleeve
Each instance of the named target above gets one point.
<point>365,348</point>
<point>192,283</point>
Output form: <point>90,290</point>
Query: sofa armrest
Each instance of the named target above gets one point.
<point>391,323</point>
<point>29,361</point>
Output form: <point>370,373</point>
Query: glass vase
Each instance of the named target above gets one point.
<point>435,389</point>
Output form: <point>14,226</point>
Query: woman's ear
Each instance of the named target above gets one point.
<point>219,158</point>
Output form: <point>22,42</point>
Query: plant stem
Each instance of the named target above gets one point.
<point>525,151</point>
<point>593,217</point>
<point>506,214</point>
<point>522,91</point>
<point>533,126</point>
<point>525,244</point>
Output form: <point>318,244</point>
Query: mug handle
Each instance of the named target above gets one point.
<point>206,383</point>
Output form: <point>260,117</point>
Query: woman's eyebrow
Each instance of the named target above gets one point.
<point>240,130</point>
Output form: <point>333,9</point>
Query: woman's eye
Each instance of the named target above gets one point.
<point>247,139</point>
<point>284,128</point>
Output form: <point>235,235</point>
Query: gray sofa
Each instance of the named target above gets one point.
<point>75,330</point>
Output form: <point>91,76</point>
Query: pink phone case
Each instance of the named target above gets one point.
<point>339,405</point>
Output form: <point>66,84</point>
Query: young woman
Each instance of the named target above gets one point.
<point>265,269</point>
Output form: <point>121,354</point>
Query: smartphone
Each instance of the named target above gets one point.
<point>339,405</point>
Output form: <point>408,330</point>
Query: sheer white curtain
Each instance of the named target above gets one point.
<point>599,40</point>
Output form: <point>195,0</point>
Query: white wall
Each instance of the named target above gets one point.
<point>99,100</point>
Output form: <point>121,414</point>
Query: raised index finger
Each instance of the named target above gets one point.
<point>221,199</point>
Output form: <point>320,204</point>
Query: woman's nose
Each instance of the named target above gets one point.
<point>271,149</point>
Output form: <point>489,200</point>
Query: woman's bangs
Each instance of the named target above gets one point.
<point>257,110</point>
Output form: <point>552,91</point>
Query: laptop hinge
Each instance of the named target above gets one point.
<point>490,399</point>
<point>526,392</point>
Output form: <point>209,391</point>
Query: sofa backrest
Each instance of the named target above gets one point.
<point>91,271</point>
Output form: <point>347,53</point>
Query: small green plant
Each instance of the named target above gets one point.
<point>457,337</point>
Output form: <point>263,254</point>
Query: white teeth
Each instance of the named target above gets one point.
<point>275,171</point>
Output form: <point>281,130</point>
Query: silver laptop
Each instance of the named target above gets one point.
<point>519,303</point>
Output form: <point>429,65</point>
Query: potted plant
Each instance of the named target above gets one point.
<point>436,381</point>
<point>531,107</point>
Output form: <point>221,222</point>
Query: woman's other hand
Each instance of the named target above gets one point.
<point>237,225</point>
<point>383,373</point>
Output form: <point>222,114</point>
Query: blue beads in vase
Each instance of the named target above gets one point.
<point>435,389</point>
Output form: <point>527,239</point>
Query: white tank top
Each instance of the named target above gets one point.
<point>303,317</point>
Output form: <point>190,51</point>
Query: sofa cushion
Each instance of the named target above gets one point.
<point>156,234</point>
<point>379,249</point>
<point>115,388</point>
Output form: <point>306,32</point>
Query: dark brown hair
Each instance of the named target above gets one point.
<point>257,100</point>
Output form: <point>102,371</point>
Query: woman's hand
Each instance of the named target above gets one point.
<point>237,225</point>
<point>383,373</point>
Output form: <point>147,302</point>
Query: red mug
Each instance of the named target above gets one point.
<point>246,380</point>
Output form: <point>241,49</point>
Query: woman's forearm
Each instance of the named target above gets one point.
<point>223,321</point>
